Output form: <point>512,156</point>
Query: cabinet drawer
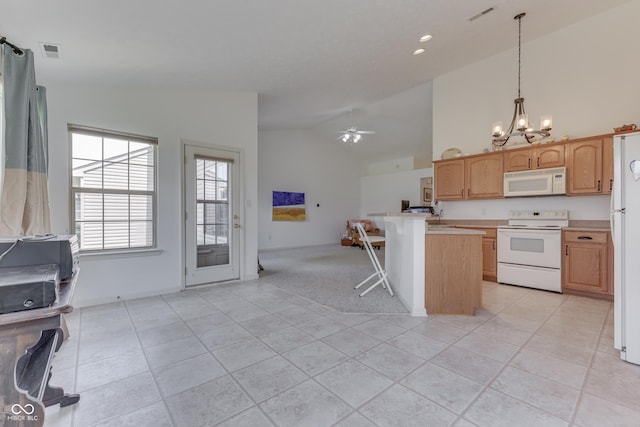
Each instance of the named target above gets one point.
<point>585,236</point>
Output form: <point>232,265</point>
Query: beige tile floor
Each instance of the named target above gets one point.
<point>250,354</point>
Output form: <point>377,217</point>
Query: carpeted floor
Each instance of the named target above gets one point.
<point>327,274</point>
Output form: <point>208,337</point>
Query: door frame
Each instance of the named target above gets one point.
<point>183,211</point>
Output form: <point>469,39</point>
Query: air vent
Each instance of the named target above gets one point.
<point>51,50</point>
<point>481,14</point>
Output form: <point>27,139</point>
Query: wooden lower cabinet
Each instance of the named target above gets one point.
<point>489,253</point>
<point>453,277</point>
<point>587,265</point>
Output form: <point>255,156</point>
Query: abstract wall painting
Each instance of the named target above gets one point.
<point>288,206</point>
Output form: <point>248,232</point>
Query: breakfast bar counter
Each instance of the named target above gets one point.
<point>432,269</point>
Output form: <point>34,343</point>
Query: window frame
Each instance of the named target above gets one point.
<point>73,190</point>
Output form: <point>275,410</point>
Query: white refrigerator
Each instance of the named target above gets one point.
<point>625,225</point>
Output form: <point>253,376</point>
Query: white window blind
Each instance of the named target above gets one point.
<point>113,189</point>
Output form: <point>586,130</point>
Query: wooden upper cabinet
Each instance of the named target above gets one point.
<point>548,156</point>
<point>517,160</point>
<point>485,176</point>
<point>449,179</point>
<point>584,167</point>
<point>607,165</point>
<point>540,157</point>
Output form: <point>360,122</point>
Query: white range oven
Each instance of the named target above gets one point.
<point>530,249</point>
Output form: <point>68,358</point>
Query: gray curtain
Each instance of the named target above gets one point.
<point>24,205</point>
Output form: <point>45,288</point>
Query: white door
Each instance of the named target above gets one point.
<point>212,215</point>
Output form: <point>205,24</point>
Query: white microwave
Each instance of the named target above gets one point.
<point>539,182</point>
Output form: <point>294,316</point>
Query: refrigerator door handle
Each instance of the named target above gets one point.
<point>612,219</point>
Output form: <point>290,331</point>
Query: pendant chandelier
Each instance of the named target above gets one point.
<point>520,121</point>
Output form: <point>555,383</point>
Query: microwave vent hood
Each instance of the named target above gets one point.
<point>539,182</point>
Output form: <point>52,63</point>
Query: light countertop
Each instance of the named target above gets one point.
<point>447,230</point>
<point>400,215</point>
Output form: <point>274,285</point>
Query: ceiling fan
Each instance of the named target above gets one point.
<point>352,134</point>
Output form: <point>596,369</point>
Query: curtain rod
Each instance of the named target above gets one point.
<point>16,49</point>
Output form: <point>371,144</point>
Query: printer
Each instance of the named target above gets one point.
<point>31,269</point>
<point>61,250</point>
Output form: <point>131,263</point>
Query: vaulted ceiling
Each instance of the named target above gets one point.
<point>310,61</point>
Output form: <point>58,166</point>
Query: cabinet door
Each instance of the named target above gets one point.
<point>586,262</point>
<point>607,165</point>
<point>485,176</point>
<point>517,160</point>
<point>584,167</point>
<point>550,156</point>
<point>489,259</point>
<point>449,180</point>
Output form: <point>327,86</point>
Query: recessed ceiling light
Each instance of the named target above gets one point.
<point>425,38</point>
<point>418,51</point>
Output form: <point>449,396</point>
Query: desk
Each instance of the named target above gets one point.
<point>28,340</point>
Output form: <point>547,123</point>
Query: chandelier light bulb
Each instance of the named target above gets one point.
<point>546,122</point>
<point>523,122</point>
<point>356,138</point>
<point>497,129</point>
<point>345,137</point>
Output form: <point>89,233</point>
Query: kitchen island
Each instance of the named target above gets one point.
<point>432,269</point>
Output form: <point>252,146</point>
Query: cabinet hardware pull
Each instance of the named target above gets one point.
<point>566,249</point>
<point>611,185</point>
<point>529,164</point>
<point>585,238</point>
<point>494,245</point>
<point>598,186</point>
<point>538,161</point>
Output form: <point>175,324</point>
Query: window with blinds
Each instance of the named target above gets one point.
<point>113,189</point>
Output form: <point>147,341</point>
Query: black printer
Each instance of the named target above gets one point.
<point>29,287</point>
<point>61,250</point>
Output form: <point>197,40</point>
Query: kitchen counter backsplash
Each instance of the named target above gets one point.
<point>594,225</point>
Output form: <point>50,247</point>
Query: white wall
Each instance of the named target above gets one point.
<point>302,161</point>
<point>227,119</point>
<point>384,193</point>
<point>390,166</point>
<point>581,208</point>
<point>585,75</point>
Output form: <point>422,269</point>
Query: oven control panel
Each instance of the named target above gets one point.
<point>557,219</point>
<point>539,215</point>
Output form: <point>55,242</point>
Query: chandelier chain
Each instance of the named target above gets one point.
<point>519,50</point>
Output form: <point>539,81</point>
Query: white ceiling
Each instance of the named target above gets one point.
<point>310,61</point>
